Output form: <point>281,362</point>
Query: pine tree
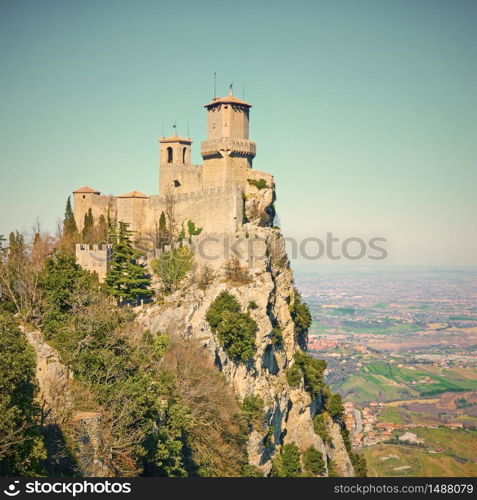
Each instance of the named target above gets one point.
<point>126,279</point>
<point>102,230</point>
<point>162,231</point>
<point>88,227</point>
<point>69,223</point>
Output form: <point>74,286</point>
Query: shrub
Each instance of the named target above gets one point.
<point>359,464</point>
<point>172,267</point>
<point>332,470</point>
<point>158,342</point>
<point>334,405</point>
<point>236,273</point>
<point>294,376</point>
<point>313,372</point>
<point>276,336</point>
<point>287,463</point>
<point>236,333</point>
<point>313,462</point>
<point>21,445</point>
<point>252,406</point>
<point>301,317</point>
<point>268,439</point>
<point>249,470</point>
<point>252,305</point>
<point>224,302</point>
<point>258,183</point>
<point>192,229</point>
<point>319,425</point>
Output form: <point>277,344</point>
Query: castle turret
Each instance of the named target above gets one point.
<point>227,152</point>
<point>175,150</point>
<point>175,164</point>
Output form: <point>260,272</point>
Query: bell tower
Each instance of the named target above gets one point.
<point>227,152</point>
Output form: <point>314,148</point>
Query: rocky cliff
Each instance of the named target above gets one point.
<point>264,289</point>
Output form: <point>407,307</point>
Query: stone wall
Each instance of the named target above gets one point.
<point>94,258</point>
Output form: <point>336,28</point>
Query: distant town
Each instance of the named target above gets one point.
<point>401,347</point>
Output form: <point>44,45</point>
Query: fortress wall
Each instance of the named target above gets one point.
<point>94,258</point>
<point>133,211</point>
<point>189,177</point>
<point>214,209</point>
<point>99,206</point>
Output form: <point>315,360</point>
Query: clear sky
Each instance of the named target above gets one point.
<point>364,110</point>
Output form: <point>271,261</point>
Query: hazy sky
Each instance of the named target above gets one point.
<point>364,110</point>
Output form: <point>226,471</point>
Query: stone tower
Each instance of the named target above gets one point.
<point>227,152</point>
<point>175,156</point>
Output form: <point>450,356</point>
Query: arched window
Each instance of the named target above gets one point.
<point>169,155</point>
<point>183,154</point>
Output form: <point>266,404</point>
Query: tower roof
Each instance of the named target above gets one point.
<point>229,99</point>
<point>86,189</point>
<point>175,138</point>
<point>133,194</point>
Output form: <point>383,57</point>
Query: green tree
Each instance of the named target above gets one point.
<point>225,301</point>
<point>21,445</point>
<point>192,229</point>
<point>127,280</point>
<point>334,405</point>
<point>236,333</point>
<point>172,267</point>
<point>162,231</point>
<point>287,463</point>
<point>102,230</point>
<point>321,429</point>
<point>313,462</point>
<point>69,223</point>
<point>252,407</point>
<point>88,227</point>
<point>301,317</point>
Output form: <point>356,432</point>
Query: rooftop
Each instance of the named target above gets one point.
<point>86,189</point>
<point>133,194</point>
<point>230,99</point>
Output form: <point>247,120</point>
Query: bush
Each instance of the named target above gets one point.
<point>158,342</point>
<point>276,336</point>
<point>248,470</point>
<point>313,462</point>
<point>359,464</point>
<point>287,463</point>
<point>301,317</point>
<point>21,445</point>
<point>172,267</point>
<point>319,425</point>
<point>224,302</point>
<point>252,406</point>
<point>236,333</point>
<point>294,376</point>
<point>258,183</point>
<point>334,405</point>
<point>268,439</point>
<point>313,372</point>
<point>252,305</point>
<point>236,273</point>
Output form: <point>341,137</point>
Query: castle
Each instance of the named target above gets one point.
<point>217,196</point>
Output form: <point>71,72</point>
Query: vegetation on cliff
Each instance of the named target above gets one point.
<point>236,331</point>
<point>21,445</point>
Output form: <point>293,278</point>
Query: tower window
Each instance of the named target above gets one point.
<point>176,183</point>
<point>169,155</point>
<point>183,155</point>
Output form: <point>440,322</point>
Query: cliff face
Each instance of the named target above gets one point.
<point>268,285</point>
<point>64,425</point>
